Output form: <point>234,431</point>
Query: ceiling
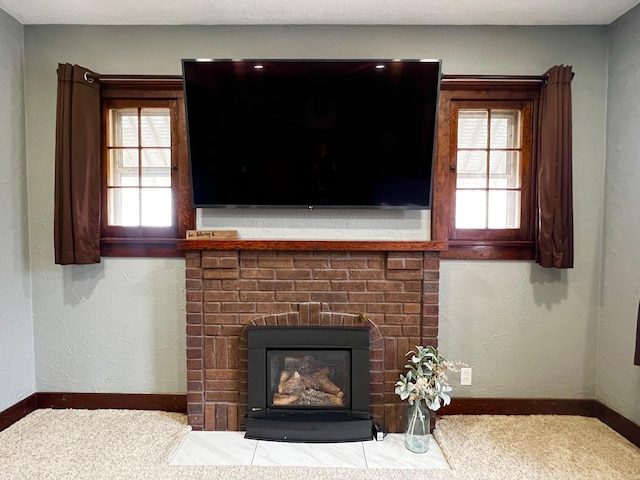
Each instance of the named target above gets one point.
<point>319,12</point>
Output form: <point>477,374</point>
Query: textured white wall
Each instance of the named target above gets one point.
<point>118,326</point>
<point>347,224</point>
<point>17,375</point>
<point>618,378</point>
<point>527,332</point>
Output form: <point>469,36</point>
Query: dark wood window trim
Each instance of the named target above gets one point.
<point>482,244</point>
<point>150,242</point>
<point>146,244</point>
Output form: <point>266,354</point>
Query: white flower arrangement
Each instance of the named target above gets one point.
<point>426,378</point>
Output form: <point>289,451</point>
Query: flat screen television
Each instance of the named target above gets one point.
<point>311,133</point>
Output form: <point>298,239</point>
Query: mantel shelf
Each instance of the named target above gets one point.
<point>335,245</point>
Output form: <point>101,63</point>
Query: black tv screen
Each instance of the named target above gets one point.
<point>311,134</point>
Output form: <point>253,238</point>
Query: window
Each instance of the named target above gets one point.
<point>146,204</point>
<point>139,160</point>
<point>483,196</point>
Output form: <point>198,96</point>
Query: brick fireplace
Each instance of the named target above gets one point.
<point>233,285</point>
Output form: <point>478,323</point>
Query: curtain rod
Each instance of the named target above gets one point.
<point>530,78</point>
<point>94,76</point>
<point>540,78</point>
<point>444,76</point>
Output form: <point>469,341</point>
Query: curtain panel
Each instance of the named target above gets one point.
<point>77,167</point>
<point>554,229</point>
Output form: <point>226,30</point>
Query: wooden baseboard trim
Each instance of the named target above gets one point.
<point>622,425</point>
<point>91,401</point>
<point>130,401</point>
<point>459,406</point>
<point>527,406</point>
<point>15,412</point>
<point>521,406</point>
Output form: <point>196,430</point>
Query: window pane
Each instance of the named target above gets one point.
<point>156,167</point>
<point>123,131</point>
<point>505,129</point>
<point>472,169</point>
<point>156,157</point>
<point>156,177</point>
<point>124,206</point>
<point>156,127</point>
<point>471,209</point>
<point>472,128</point>
<point>504,209</point>
<point>123,167</point>
<point>504,169</point>
<point>156,207</point>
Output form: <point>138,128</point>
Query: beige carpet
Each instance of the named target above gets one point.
<point>125,444</point>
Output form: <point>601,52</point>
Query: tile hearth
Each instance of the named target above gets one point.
<point>231,448</point>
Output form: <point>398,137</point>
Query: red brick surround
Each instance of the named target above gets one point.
<point>396,292</point>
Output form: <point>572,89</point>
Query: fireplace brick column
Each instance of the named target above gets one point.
<point>227,289</point>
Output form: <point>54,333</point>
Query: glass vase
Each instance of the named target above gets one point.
<point>416,433</point>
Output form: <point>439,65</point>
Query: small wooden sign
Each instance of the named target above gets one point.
<point>212,234</point>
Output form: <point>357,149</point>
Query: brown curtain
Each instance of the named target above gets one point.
<point>77,177</point>
<point>636,359</point>
<point>554,236</point>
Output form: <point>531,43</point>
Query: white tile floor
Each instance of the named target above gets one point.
<point>231,448</point>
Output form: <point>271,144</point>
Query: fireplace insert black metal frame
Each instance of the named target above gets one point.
<point>346,423</point>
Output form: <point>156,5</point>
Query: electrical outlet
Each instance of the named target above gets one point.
<point>465,376</point>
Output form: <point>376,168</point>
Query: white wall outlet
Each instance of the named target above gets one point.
<point>465,376</point>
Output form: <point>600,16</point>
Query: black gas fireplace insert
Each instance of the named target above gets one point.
<point>308,384</point>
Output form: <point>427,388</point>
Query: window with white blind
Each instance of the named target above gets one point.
<point>484,193</point>
<point>146,197</point>
<point>488,160</point>
<point>139,159</point>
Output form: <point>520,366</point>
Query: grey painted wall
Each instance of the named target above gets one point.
<point>118,326</point>
<point>17,375</point>
<point>618,379</point>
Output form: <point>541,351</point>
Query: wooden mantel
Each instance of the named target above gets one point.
<point>320,245</point>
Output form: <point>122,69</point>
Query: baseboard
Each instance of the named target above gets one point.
<point>91,401</point>
<point>622,425</point>
<point>458,406</point>
<point>15,412</point>
<point>521,406</point>
<point>130,401</point>
<point>527,406</point>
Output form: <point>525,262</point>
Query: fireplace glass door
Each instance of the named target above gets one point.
<point>308,384</point>
<point>309,379</point>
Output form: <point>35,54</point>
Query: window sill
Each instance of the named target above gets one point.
<point>140,247</point>
<point>505,250</point>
